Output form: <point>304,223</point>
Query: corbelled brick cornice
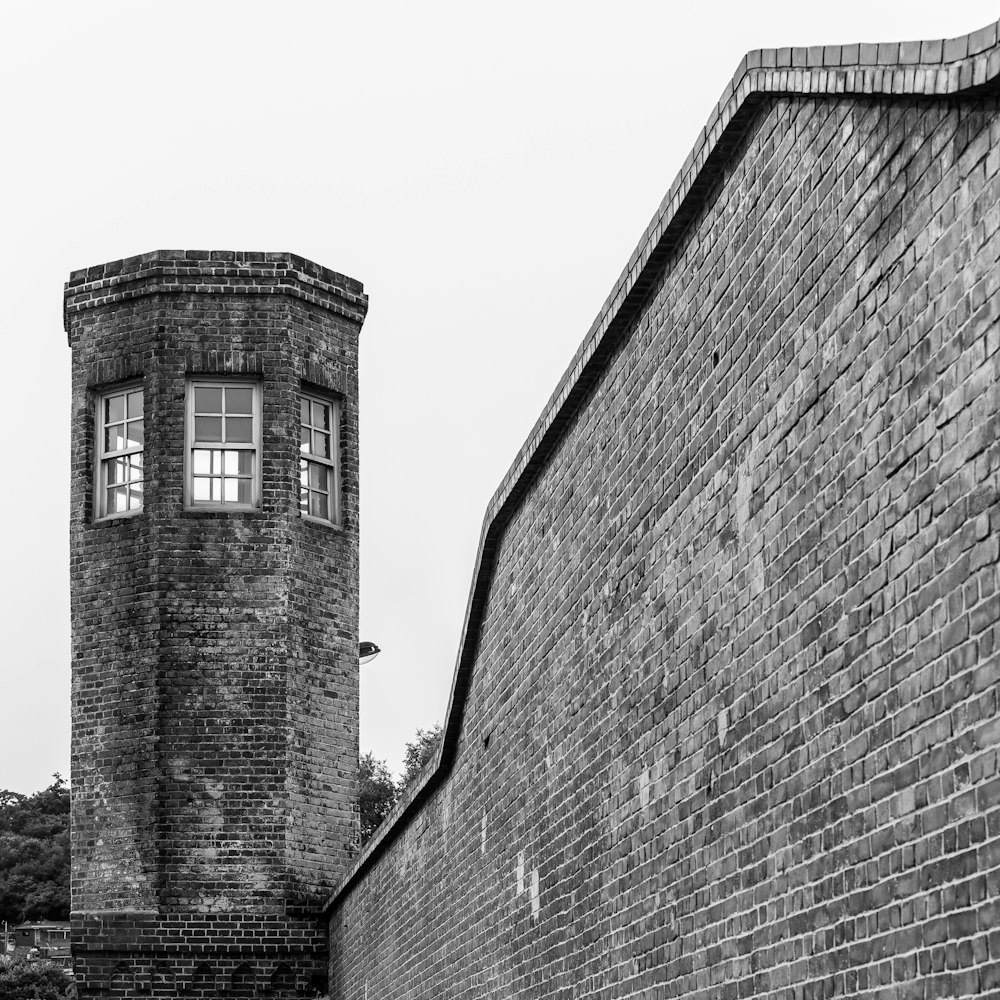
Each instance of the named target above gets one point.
<point>240,272</point>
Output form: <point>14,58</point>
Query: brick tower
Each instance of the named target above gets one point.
<point>214,539</point>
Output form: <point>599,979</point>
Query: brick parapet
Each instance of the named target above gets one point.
<point>924,69</point>
<point>732,727</point>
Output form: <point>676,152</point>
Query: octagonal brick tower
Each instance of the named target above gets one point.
<point>214,541</point>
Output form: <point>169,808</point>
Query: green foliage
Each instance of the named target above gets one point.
<point>379,793</point>
<point>34,855</point>
<point>418,753</point>
<point>23,980</point>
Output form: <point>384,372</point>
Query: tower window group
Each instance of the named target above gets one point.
<point>222,450</point>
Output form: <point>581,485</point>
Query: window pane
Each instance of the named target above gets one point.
<point>202,489</point>
<point>239,400</point>
<point>114,438</point>
<point>117,500</point>
<point>304,499</point>
<point>239,429</point>
<point>305,446</point>
<point>208,428</point>
<point>135,496</point>
<point>319,505</point>
<point>135,434</point>
<point>304,473</point>
<point>135,404</point>
<point>305,411</point>
<point>244,495</point>
<point>238,463</point>
<point>232,490</point>
<point>202,462</point>
<point>321,416</point>
<point>322,444</point>
<point>114,408</point>
<point>116,471</point>
<point>216,489</point>
<point>136,461</point>
<point>317,476</point>
<point>208,399</point>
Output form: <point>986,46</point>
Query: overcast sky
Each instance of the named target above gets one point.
<point>485,169</point>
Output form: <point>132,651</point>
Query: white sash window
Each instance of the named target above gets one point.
<point>222,455</point>
<point>120,472</point>
<point>319,492</point>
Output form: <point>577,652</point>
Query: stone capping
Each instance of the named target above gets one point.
<point>242,272</point>
<point>967,65</point>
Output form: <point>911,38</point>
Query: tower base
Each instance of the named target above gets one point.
<point>201,956</point>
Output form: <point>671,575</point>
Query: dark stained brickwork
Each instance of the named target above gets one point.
<point>214,654</point>
<point>725,721</point>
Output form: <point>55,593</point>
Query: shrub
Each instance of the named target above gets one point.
<point>24,980</point>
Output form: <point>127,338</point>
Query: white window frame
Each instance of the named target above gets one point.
<point>102,457</point>
<point>191,444</point>
<point>332,462</point>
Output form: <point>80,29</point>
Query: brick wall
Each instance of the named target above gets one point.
<point>214,653</point>
<point>725,717</point>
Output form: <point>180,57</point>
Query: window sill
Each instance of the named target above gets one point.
<point>319,522</point>
<point>116,518</point>
<point>226,509</point>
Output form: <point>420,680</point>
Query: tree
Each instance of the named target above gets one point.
<point>24,980</point>
<point>378,794</point>
<point>418,753</point>
<point>34,854</point>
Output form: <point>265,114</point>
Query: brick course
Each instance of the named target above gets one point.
<point>725,720</point>
<point>215,717</point>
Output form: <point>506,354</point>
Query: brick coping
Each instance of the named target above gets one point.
<point>967,65</point>
<point>213,272</point>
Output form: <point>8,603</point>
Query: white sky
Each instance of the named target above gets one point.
<point>485,168</point>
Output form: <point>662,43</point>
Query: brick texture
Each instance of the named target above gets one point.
<point>725,722</point>
<point>214,654</point>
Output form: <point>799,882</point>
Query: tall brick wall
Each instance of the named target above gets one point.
<point>214,652</point>
<point>725,721</point>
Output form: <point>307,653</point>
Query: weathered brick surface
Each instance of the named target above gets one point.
<point>214,654</point>
<point>730,724</point>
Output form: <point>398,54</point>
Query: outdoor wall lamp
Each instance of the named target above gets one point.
<point>367,651</point>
